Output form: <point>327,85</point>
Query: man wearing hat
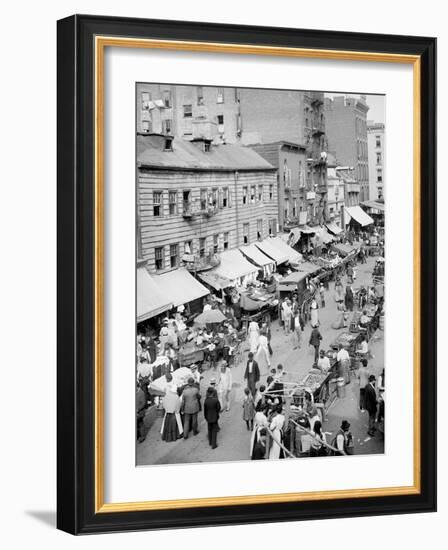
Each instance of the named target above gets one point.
<point>370,403</point>
<point>343,441</point>
<point>190,407</point>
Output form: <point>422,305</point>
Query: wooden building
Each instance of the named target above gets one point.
<point>196,200</point>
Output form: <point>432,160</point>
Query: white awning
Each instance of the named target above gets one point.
<point>358,214</point>
<point>256,255</point>
<point>180,286</point>
<point>269,248</point>
<point>334,228</point>
<point>294,257</point>
<point>233,267</point>
<point>151,300</point>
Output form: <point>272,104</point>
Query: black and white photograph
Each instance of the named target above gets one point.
<point>260,274</point>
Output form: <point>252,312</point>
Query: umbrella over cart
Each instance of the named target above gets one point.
<point>209,317</point>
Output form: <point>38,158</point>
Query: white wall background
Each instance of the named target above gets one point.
<point>27,274</point>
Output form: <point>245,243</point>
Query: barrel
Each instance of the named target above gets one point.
<point>340,387</point>
<point>382,322</point>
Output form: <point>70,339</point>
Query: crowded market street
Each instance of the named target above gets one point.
<point>233,436</point>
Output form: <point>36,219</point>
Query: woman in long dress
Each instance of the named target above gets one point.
<point>262,356</point>
<point>276,428</point>
<point>254,333</point>
<point>260,422</point>
<point>171,429</point>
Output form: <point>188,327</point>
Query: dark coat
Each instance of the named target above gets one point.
<point>349,298</point>
<point>255,371</point>
<point>315,337</point>
<point>370,399</point>
<point>259,451</point>
<point>190,400</point>
<point>212,408</point>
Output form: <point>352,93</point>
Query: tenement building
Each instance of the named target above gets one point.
<point>197,199</point>
<point>375,135</point>
<point>346,130</point>
<point>249,117</point>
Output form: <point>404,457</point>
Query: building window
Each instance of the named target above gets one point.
<point>157,206</point>
<point>146,126</point>
<point>200,95</point>
<point>294,208</point>
<point>146,98</point>
<point>220,95</point>
<point>202,247</point>
<point>188,111</point>
<point>245,233</point>
<point>220,124</point>
<point>259,229</point>
<point>215,243</point>
<point>244,195</point>
<point>167,98</point>
<point>214,197</point>
<point>226,241</point>
<point>272,228</point>
<point>172,201</point>
<point>379,176</point>
<point>286,208</point>
<point>252,194</point>
<point>378,141</point>
<point>167,126</point>
<point>378,158</point>
<point>188,247</point>
<point>174,255</point>
<point>225,197</point>
<point>260,193</point>
<point>271,192</point>
<point>203,199</point>
<point>159,257</point>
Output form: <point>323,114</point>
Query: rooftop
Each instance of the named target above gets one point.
<point>151,153</point>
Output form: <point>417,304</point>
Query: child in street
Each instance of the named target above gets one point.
<point>248,409</point>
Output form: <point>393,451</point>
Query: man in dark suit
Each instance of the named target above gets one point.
<point>370,403</point>
<point>190,407</point>
<point>315,339</point>
<point>252,374</point>
<point>212,408</point>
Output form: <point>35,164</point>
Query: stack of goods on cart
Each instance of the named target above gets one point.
<point>180,379</point>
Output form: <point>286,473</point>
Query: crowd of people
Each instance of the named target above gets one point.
<point>263,401</point>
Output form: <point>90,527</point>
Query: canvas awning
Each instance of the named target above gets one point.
<point>269,248</point>
<point>335,229</point>
<point>151,300</point>
<point>256,255</point>
<point>308,268</point>
<point>358,214</point>
<point>294,257</point>
<point>343,249</point>
<point>374,205</point>
<point>296,233</point>
<point>233,266</point>
<point>293,278</point>
<point>180,286</point>
<point>322,237</point>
